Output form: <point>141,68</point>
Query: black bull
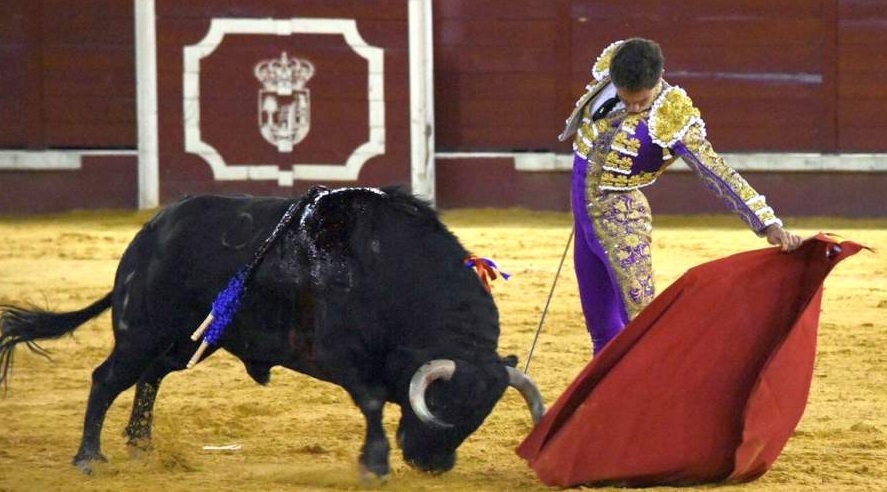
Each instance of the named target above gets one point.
<point>366,289</point>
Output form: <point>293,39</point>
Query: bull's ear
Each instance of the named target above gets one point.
<point>509,360</point>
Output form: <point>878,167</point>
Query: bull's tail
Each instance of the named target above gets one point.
<point>19,325</point>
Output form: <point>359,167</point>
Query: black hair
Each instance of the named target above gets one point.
<point>637,65</point>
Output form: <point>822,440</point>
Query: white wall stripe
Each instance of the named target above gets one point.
<point>51,160</point>
<point>769,162</point>
<point>524,161</point>
<point>146,90</point>
<point>422,175</point>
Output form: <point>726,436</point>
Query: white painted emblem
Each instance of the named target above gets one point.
<point>349,170</point>
<point>284,101</point>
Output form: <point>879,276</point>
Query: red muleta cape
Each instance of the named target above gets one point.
<point>705,385</point>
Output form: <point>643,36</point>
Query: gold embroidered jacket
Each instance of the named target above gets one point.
<point>639,147</point>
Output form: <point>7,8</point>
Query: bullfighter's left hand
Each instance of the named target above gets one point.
<point>778,236</point>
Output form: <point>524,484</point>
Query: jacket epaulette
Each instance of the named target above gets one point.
<point>601,68</point>
<point>672,114</point>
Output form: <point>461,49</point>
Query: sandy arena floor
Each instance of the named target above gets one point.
<point>300,434</point>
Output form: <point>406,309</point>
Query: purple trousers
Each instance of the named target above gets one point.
<point>611,255</point>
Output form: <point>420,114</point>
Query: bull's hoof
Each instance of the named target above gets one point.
<point>84,464</point>
<point>371,479</point>
<point>373,463</point>
<point>139,448</point>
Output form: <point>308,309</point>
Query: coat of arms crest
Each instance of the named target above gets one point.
<point>284,101</point>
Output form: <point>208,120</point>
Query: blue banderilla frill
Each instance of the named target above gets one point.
<point>228,301</point>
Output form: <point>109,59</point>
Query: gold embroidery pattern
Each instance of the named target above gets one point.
<point>601,68</point>
<point>621,182</point>
<point>618,163</point>
<point>580,147</point>
<point>671,116</point>
<point>626,144</point>
<point>588,132</point>
<point>622,223</point>
<point>594,141</point>
<point>631,122</point>
<point>600,126</point>
<point>583,140</point>
<point>726,183</point>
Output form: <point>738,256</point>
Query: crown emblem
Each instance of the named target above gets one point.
<point>284,75</point>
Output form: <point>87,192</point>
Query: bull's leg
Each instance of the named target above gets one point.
<point>370,398</point>
<point>344,348</point>
<point>141,420</point>
<point>118,373</point>
<point>374,454</point>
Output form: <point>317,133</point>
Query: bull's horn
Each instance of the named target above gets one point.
<point>425,375</point>
<point>521,382</point>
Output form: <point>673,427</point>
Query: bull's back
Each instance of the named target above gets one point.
<point>182,258</point>
<point>393,256</point>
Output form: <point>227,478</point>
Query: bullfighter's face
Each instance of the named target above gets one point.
<point>638,101</point>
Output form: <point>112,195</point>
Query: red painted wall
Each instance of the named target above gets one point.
<point>763,73</point>
<point>794,75</point>
<point>68,78</point>
<point>102,182</point>
<point>787,76</point>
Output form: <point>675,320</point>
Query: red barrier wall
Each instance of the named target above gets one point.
<point>791,76</point>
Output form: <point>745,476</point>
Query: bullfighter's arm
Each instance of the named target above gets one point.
<point>724,181</point>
